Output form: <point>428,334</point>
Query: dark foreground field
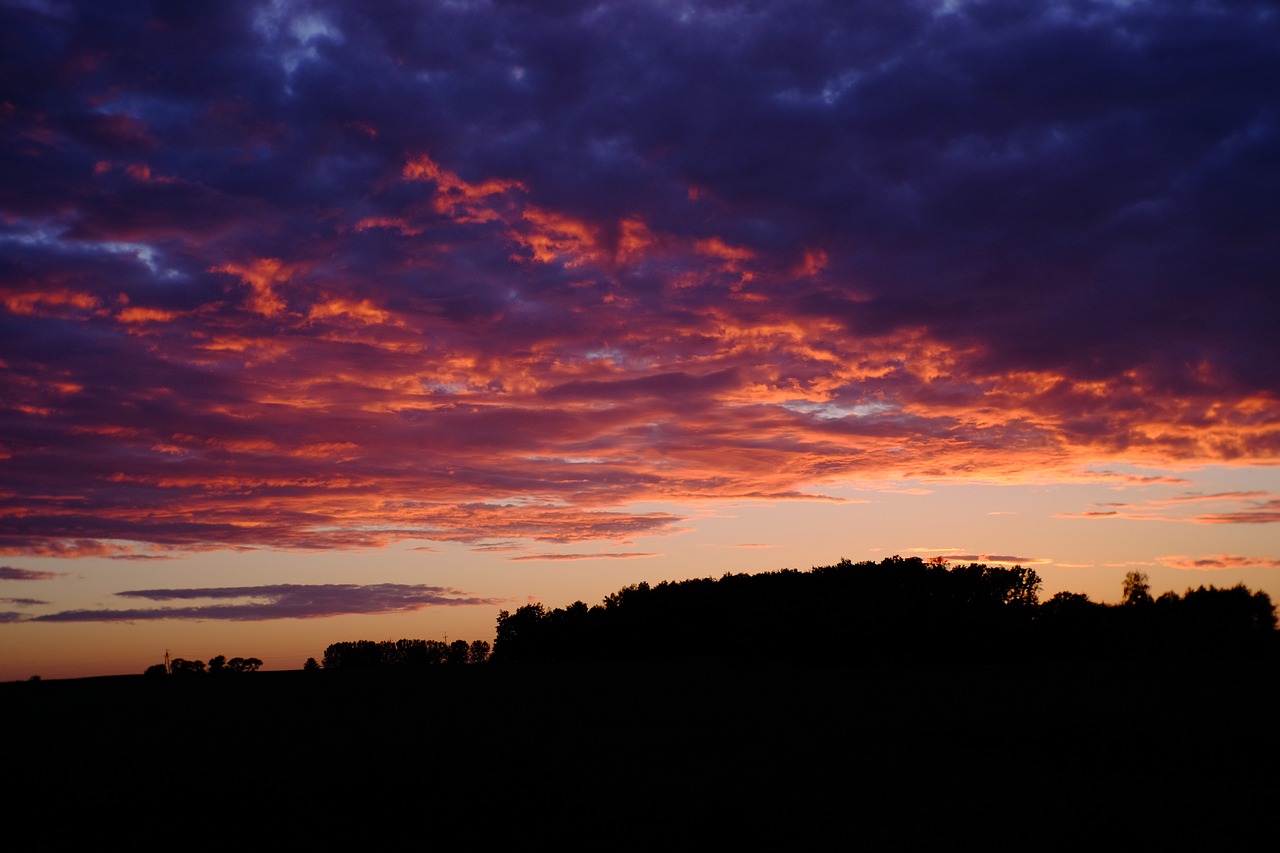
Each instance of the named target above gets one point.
<point>644,757</point>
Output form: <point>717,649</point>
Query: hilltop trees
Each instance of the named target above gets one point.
<point>893,609</point>
<point>897,609</point>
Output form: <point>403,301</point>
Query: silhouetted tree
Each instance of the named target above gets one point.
<point>1135,589</point>
<point>182,666</point>
<point>457,652</point>
<point>156,670</point>
<point>357,655</point>
<point>1212,620</point>
<point>244,664</point>
<point>311,665</point>
<point>366,655</point>
<point>1068,601</point>
<point>478,651</point>
<point>217,663</point>
<point>519,638</point>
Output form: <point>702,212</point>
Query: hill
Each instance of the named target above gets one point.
<point>629,756</point>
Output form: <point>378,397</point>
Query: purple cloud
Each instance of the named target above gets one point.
<point>12,573</point>
<point>280,601</point>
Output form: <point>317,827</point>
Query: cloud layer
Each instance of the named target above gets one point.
<point>319,274</point>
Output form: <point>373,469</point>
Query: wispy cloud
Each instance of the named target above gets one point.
<point>1252,507</point>
<point>12,573</point>
<point>1255,512</point>
<point>1220,561</point>
<point>625,555</point>
<point>996,558</point>
<point>280,601</point>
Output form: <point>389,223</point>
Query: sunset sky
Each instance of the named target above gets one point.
<point>325,321</point>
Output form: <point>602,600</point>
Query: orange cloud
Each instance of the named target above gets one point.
<point>717,248</point>
<point>456,198</point>
<point>362,311</point>
<point>262,275</point>
<point>553,237</point>
<point>48,302</point>
<point>136,314</point>
<point>634,238</point>
<point>813,262</point>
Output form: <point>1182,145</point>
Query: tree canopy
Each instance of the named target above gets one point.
<point>896,609</point>
<point>367,655</point>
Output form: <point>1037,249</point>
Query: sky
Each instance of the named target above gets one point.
<point>326,321</point>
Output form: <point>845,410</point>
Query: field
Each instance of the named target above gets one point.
<point>641,756</point>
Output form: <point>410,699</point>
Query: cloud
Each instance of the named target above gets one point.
<point>1219,561</point>
<point>1130,479</point>
<point>280,601</point>
<point>1216,496</point>
<point>1253,507</point>
<point>613,556</point>
<point>331,278</point>
<point>11,573</point>
<point>1110,513</point>
<point>995,558</point>
<point>1256,512</point>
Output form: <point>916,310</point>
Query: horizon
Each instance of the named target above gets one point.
<point>321,322</point>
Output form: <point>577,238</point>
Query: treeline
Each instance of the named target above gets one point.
<point>1204,621</point>
<point>896,609</point>
<point>367,655</point>
<point>218,665</point>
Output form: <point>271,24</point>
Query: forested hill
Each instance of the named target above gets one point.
<point>897,609</point>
